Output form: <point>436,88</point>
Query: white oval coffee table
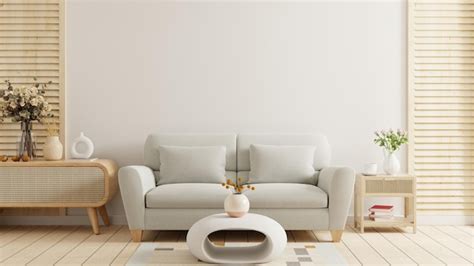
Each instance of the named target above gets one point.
<point>202,248</point>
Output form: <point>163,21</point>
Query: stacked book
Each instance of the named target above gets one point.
<point>381,213</point>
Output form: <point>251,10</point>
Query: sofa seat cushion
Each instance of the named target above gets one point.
<point>187,196</point>
<point>287,196</point>
<point>212,196</point>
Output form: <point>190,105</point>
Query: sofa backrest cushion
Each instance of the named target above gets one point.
<point>282,164</point>
<point>322,154</point>
<point>152,153</point>
<point>191,164</point>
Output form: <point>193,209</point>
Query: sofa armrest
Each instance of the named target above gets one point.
<point>338,183</point>
<point>135,182</point>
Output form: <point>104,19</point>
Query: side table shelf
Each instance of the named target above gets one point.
<point>385,186</point>
<point>60,184</point>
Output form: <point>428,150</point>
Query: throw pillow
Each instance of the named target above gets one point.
<point>282,164</point>
<point>192,164</point>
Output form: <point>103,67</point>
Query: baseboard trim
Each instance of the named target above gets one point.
<point>122,220</point>
<point>436,220</point>
<point>57,220</point>
<point>445,220</point>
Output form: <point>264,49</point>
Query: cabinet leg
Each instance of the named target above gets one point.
<point>92,213</point>
<point>104,215</point>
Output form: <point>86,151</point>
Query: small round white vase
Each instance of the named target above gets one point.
<point>391,164</point>
<point>236,205</point>
<point>89,147</point>
<point>53,149</point>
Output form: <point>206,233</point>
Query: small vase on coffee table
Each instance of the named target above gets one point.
<point>236,205</point>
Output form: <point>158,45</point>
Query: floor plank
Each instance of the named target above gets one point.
<point>218,238</point>
<point>466,228</point>
<point>325,237</point>
<point>182,236</point>
<point>5,228</point>
<point>385,248</point>
<point>39,245</point>
<point>125,253</point>
<point>149,235</point>
<point>167,236</point>
<point>445,240</point>
<point>107,253</point>
<point>236,236</point>
<point>24,241</point>
<point>61,248</point>
<point>289,236</point>
<point>457,234</point>
<point>82,252</point>
<point>436,249</point>
<point>254,236</point>
<point>304,236</point>
<point>12,235</point>
<point>361,249</point>
<point>37,248</point>
<point>408,247</point>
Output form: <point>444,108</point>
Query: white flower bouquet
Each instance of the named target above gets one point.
<point>23,104</point>
<point>391,140</point>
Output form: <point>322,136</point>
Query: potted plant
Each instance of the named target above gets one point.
<point>25,105</point>
<point>236,204</point>
<point>391,141</point>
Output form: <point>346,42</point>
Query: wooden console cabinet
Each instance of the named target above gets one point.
<point>86,184</point>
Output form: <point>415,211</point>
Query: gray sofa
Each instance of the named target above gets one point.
<point>322,206</point>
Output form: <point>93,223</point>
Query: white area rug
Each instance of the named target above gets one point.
<point>295,254</point>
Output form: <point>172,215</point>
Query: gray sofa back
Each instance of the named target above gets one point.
<point>322,154</point>
<point>237,157</point>
<point>152,154</point>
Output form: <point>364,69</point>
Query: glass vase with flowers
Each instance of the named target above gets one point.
<point>25,105</point>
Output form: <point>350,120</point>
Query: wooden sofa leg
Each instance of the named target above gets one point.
<point>136,235</point>
<point>336,235</point>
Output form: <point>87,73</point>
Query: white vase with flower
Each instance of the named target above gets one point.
<point>53,148</point>
<point>25,105</point>
<point>237,204</point>
<point>391,141</point>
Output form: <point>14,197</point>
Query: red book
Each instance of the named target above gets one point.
<point>381,208</point>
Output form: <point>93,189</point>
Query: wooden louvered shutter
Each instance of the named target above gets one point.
<point>31,45</point>
<point>441,104</point>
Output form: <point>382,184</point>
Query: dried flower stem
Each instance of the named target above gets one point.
<point>237,187</point>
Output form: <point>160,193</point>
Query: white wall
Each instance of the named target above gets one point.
<point>135,67</point>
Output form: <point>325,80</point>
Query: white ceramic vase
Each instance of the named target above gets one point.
<point>391,164</point>
<point>53,149</point>
<point>236,205</point>
<point>89,147</point>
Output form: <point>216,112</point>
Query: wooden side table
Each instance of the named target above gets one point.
<point>385,186</point>
<point>86,184</point>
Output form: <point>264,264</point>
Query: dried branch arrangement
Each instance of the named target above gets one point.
<point>237,187</point>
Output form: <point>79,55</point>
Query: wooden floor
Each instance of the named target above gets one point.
<point>66,245</point>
